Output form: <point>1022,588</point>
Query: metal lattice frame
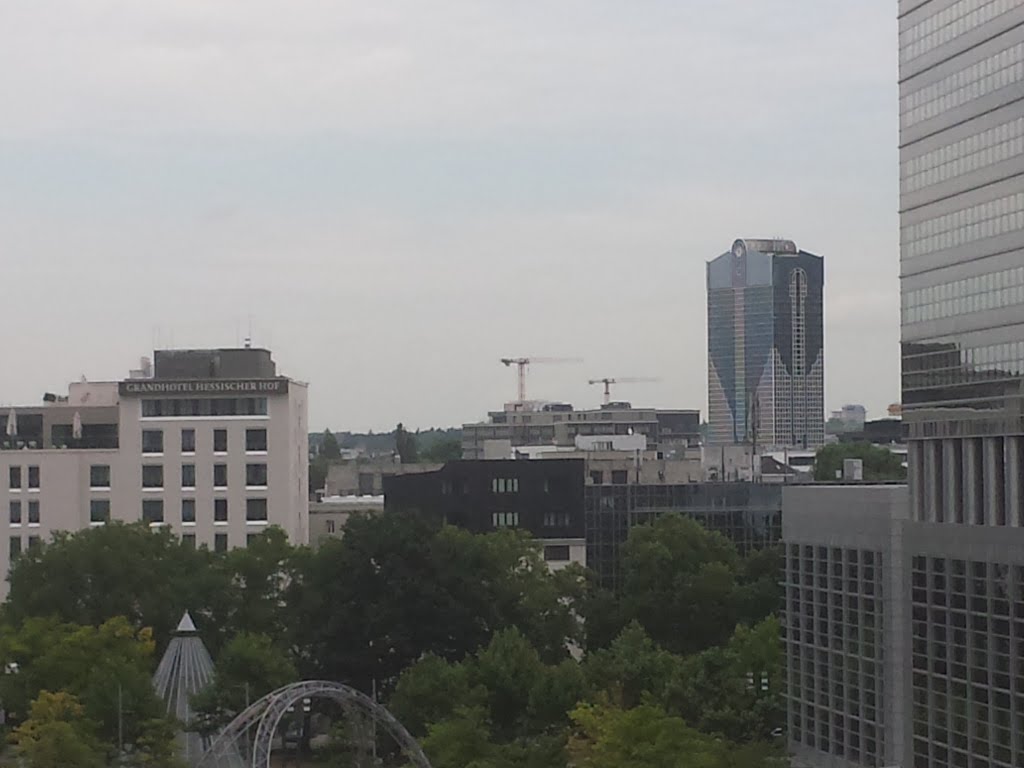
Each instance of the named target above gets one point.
<point>266,714</point>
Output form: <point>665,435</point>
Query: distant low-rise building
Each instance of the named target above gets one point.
<point>544,498</point>
<point>329,516</point>
<point>364,476</point>
<point>668,432</point>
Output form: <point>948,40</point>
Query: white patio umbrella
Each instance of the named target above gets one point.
<point>12,424</point>
<point>76,426</point>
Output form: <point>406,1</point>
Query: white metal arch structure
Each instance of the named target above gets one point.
<point>266,714</point>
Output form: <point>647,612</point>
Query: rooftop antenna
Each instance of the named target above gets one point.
<point>248,338</point>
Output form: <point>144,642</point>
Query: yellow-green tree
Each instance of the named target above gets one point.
<point>57,734</point>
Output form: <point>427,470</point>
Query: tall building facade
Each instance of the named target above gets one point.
<point>951,611</point>
<point>962,295</point>
<point>766,346</point>
<point>212,444</point>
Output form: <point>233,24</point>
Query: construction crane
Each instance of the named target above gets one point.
<point>522,362</point>
<point>620,380</point>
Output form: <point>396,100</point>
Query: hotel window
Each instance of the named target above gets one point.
<point>33,478</point>
<point>220,542</point>
<point>188,475</point>
<point>188,510</point>
<point>15,547</point>
<point>33,541</point>
<point>220,441</point>
<point>15,513</point>
<point>99,476</point>
<point>256,510</point>
<point>153,510</point>
<point>250,538</point>
<point>152,476</point>
<point>556,519</point>
<point>330,526</point>
<point>152,441</point>
<point>256,440</point>
<point>188,441</point>
<point>189,540</point>
<point>33,513</point>
<point>14,476</point>
<point>220,475</point>
<point>220,510</point>
<point>256,475</point>
<point>99,510</point>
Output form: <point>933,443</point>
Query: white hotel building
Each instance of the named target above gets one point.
<point>210,443</point>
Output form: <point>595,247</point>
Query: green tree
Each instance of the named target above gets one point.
<point>405,445</point>
<point>632,669</point>
<point>680,584</point>
<point>397,587</point>
<point>329,447</point>
<point>880,464</point>
<point>443,450</point>
<point>57,734</point>
<point>735,690</point>
<point>258,575</point>
<point>249,667</point>
<point>107,669</point>
<point>642,737</point>
<point>147,576</point>
<point>429,692</point>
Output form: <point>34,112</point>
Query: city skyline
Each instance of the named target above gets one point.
<point>379,188</point>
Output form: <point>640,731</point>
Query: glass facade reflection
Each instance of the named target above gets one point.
<point>765,346</point>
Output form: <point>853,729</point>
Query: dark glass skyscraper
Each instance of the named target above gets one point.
<point>962,256</point>
<point>765,346</point>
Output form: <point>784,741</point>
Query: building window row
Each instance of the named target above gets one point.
<point>505,519</point>
<point>256,510</point>
<point>15,547</point>
<point>1003,288</point>
<point>198,407</point>
<point>153,441</point>
<point>16,475</point>
<point>505,485</point>
<point>31,508</point>
<point>971,153</point>
<point>976,222</point>
<point>967,366</point>
<point>948,24</point>
<point>153,476</point>
<point>999,70</point>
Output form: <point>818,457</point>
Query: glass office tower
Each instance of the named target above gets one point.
<point>962,291</point>
<point>765,346</point>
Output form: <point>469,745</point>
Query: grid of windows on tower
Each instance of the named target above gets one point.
<point>835,651</point>
<point>967,643</point>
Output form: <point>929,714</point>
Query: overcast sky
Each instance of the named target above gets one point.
<point>400,193</point>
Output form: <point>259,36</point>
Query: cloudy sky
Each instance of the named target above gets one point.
<point>396,194</point>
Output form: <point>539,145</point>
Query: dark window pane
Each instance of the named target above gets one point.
<point>99,510</point>
<point>14,475</point>
<point>256,509</point>
<point>188,475</point>
<point>220,475</point>
<point>153,476</point>
<point>152,441</point>
<point>256,474</point>
<point>153,510</point>
<point>220,510</point>
<point>255,439</point>
<point>556,552</point>
<point>188,510</point>
<point>15,547</point>
<point>220,542</point>
<point>33,512</point>
<point>220,440</point>
<point>33,477</point>
<point>99,476</point>
<point>188,441</point>
<point>189,540</point>
<point>16,512</point>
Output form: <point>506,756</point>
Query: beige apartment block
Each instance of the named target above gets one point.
<point>209,443</point>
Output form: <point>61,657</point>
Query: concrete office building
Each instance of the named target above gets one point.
<point>953,681</point>
<point>765,346</point>
<point>210,443</point>
<point>669,432</point>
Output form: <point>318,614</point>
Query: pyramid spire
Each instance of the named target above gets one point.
<point>186,626</point>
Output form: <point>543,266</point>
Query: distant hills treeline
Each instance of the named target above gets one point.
<point>384,442</point>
